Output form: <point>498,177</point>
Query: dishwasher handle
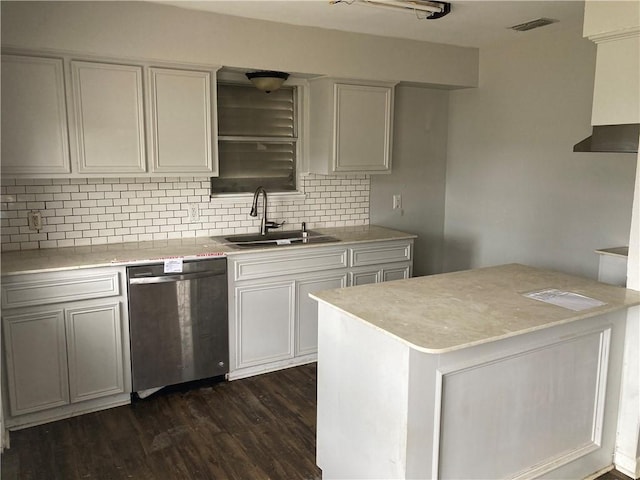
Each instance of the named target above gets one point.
<point>171,278</point>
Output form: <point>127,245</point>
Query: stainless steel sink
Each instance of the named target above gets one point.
<point>278,239</point>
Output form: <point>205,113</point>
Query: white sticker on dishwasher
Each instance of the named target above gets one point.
<point>173,265</point>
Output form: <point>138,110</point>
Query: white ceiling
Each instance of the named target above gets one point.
<point>472,23</point>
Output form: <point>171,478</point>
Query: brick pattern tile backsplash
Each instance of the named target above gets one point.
<point>96,211</point>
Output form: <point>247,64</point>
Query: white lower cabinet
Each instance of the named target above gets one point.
<point>364,277</point>
<point>94,351</point>
<point>396,273</point>
<point>306,320</point>
<point>265,323</point>
<point>36,359</point>
<point>367,275</point>
<point>273,324</point>
<point>380,262</point>
<point>65,354</point>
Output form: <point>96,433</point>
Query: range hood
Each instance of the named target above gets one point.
<point>611,138</point>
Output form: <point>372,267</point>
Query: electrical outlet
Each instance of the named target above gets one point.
<point>397,201</point>
<point>35,220</point>
<point>194,213</point>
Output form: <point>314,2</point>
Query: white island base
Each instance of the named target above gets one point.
<point>535,397</point>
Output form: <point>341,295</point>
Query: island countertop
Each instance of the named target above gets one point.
<point>442,313</point>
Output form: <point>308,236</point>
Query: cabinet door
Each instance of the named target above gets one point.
<point>264,323</point>
<point>365,277</point>
<point>36,361</point>
<point>34,116</point>
<point>109,118</point>
<point>307,310</point>
<point>363,119</point>
<point>94,343</point>
<point>181,121</point>
<point>395,273</point>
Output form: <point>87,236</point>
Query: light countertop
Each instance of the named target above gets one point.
<point>70,258</point>
<point>447,312</point>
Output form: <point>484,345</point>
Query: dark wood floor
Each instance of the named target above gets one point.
<point>257,428</point>
<point>613,475</point>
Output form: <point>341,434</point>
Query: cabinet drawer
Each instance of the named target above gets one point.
<point>289,262</point>
<point>43,289</point>
<point>376,254</point>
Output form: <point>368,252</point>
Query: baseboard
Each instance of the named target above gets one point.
<point>66,411</point>
<point>628,465</point>
<point>271,367</point>
<point>5,441</point>
<point>599,473</point>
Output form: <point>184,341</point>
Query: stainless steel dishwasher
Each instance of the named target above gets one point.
<point>178,323</point>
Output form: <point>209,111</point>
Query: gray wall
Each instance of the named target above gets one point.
<point>419,165</point>
<point>515,191</point>
<point>163,32</point>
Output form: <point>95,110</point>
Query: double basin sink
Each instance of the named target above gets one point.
<point>278,239</point>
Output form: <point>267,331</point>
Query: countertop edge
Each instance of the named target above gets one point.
<point>454,348</point>
<point>572,316</point>
<point>206,247</point>
<point>241,251</point>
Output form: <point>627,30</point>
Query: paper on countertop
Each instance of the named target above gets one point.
<point>173,265</point>
<point>570,300</point>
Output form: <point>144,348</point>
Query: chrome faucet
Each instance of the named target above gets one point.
<point>265,224</point>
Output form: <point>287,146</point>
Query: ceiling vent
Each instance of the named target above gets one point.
<point>530,25</point>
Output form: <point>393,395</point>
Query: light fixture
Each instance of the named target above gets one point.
<point>266,80</point>
<point>424,9</point>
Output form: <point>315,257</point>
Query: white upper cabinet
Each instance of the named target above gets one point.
<point>182,118</point>
<point>351,126</point>
<point>615,28</point>
<point>109,119</point>
<point>114,110</point>
<point>34,116</point>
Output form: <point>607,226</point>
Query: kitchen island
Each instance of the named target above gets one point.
<point>461,375</point>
